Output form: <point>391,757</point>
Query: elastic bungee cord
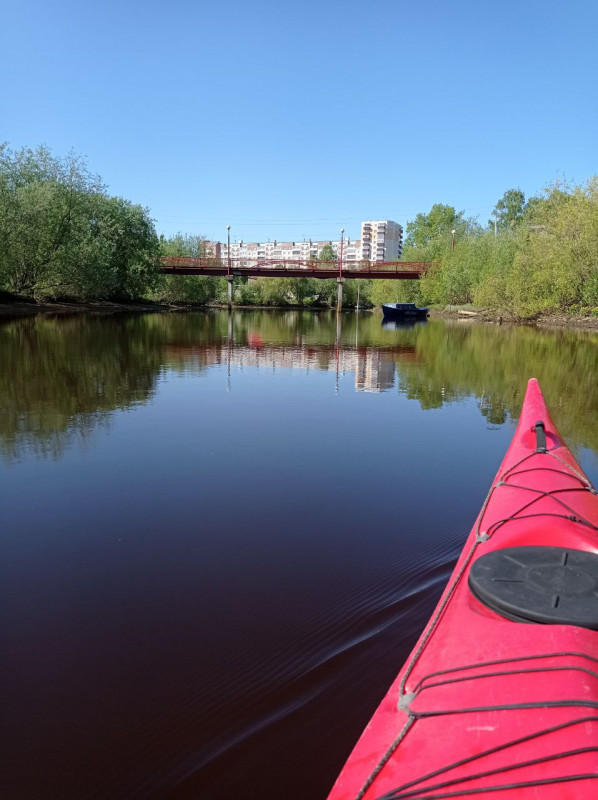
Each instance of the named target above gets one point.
<point>405,699</point>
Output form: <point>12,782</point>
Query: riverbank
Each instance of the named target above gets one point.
<point>543,320</point>
<point>18,307</point>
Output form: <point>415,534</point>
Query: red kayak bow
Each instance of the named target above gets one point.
<point>500,694</point>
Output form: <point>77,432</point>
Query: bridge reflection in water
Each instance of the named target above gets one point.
<point>374,367</point>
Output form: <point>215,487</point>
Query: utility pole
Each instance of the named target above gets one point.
<point>339,280</point>
<point>229,275</point>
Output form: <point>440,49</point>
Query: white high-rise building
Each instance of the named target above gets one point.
<point>381,240</point>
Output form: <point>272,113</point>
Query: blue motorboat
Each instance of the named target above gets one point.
<point>403,311</point>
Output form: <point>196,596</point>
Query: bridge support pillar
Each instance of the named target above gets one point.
<point>230,280</point>
<point>339,294</point>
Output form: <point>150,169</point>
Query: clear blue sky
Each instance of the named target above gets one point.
<point>293,120</point>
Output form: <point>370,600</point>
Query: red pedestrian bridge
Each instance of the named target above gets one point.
<point>271,268</point>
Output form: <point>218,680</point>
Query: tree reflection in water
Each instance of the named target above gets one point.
<point>62,378</point>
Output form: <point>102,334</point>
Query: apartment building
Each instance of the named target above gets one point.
<point>381,240</point>
<point>212,249</point>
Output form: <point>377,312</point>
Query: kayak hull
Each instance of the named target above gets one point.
<point>485,703</point>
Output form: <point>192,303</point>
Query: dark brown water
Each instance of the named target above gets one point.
<point>222,535</point>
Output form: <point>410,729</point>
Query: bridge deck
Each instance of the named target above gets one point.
<point>381,270</point>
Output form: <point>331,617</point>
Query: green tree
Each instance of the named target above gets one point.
<point>327,288</point>
<point>432,232</point>
<point>555,268</point>
<point>43,210</point>
<point>327,253</point>
<point>392,291</point>
<point>61,234</point>
<point>509,211</point>
<point>196,289</point>
<point>548,263</point>
<point>116,258</point>
<point>184,245</point>
<point>270,292</point>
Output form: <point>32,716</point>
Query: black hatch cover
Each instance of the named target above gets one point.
<point>551,585</point>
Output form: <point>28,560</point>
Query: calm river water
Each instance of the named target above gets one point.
<point>221,535</point>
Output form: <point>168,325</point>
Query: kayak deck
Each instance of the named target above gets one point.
<point>485,704</point>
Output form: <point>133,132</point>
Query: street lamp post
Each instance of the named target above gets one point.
<point>228,249</point>
<point>229,275</point>
<point>339,280</point>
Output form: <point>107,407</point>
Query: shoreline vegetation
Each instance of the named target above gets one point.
<point>67,246</point>
<point>11,307</point>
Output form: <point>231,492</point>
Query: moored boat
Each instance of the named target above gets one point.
<point>403,311</point>
<point>500,694</point>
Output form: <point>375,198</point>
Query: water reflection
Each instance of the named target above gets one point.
<point>373,367</point>
<point>397,324</point>
<point>213,587</point>
<point>62,378</point>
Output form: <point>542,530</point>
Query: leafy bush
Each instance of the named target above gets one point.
<point>61,234</point>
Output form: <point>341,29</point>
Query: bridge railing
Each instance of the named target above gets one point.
<point>245,264</point>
